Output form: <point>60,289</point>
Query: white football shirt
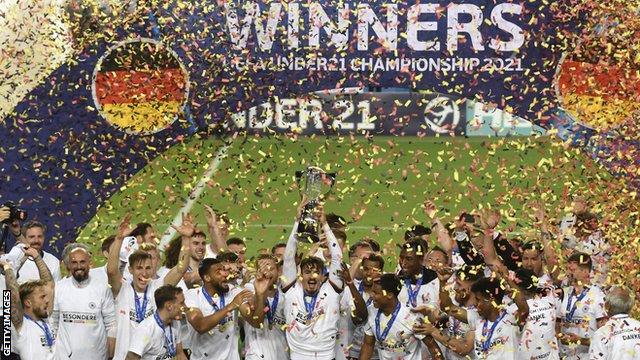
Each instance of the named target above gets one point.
<point>269,342</point>
<point>221,342</point>
<point>618,339</point>
<point>314,336</point>
<point>355,334</point>
<point>400,342</point>
<point>503,343</point>
<point>29,269</point>
<point>584,320</point>
<point>81,318</point>
<point>538,339</point>
<point>427,294</point>
<point>126,314</point>
<point>31,342</point>
<point>150,341</point>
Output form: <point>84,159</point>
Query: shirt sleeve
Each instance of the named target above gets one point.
<point>368,330</point>
<point>139,342</point>
<point>336,257</point>
<point>56,309</point>
<point>290,269</point>
<point>109,312</point>
<point>472,318</point>
<point>55,272</point>
<point>190,298</point>
<point>599,309</point>
<point>597,348</point>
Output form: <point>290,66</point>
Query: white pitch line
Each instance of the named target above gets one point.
<point>195,194</point>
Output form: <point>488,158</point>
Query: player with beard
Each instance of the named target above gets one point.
<point>83,309</point>
<point>312,304</point>
<point>372,267</point>
<point>265,329</point>
<point>134,300</point>
<point>158,336</point>
<point>458,336</point>
<point>213,312</point>
<point>31,306</point>
<point>25,267</point>
<point>390,326</point>
<point>197,250</point>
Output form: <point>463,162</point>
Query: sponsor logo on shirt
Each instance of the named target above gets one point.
<point>395,344</point>
<point>541,356</point>
<point>79,317</point>
<point>132,314</point>
<point>635,336</point>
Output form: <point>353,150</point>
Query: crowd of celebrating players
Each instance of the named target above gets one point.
<point>458,290</point>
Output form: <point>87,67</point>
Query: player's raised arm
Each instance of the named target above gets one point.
<point>114,275</point>
<point>186,230</point>
<point>17,312</point>
<point>336,252</point>
<point>290,269</point>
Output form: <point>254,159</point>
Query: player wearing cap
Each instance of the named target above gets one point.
<point>134,300</point>
<point>312,305</point>
<point>213,312</point>
<point>580,308</point>
<point>619,338</point>
<point>390,326</point>
<point>83,309</point>
<point>158,336</point>
<point>31,305</point>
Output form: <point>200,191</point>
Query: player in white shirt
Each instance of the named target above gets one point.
<point>99,274</point>
<point>390,326</point>
<point>83,309</point>
<point>538,340</point>
<point>372,268</point>
<point>534,258</point>
<point>25,268</point>
<point>158,336</point>
<point>458,337</point>
<point>619,338</point>
<point>31,305</point>
<point>312,305</point>
<point>346,326</point>
<point>213,312</point>
<point>134,299</point>
<point>264,329</point>
<point>420,286</point>
<point>580,308</point>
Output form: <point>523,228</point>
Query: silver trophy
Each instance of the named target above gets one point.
<point>316,184</point>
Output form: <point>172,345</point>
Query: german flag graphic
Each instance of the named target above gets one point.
<point>140,87</point>
<point>599,82</point>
